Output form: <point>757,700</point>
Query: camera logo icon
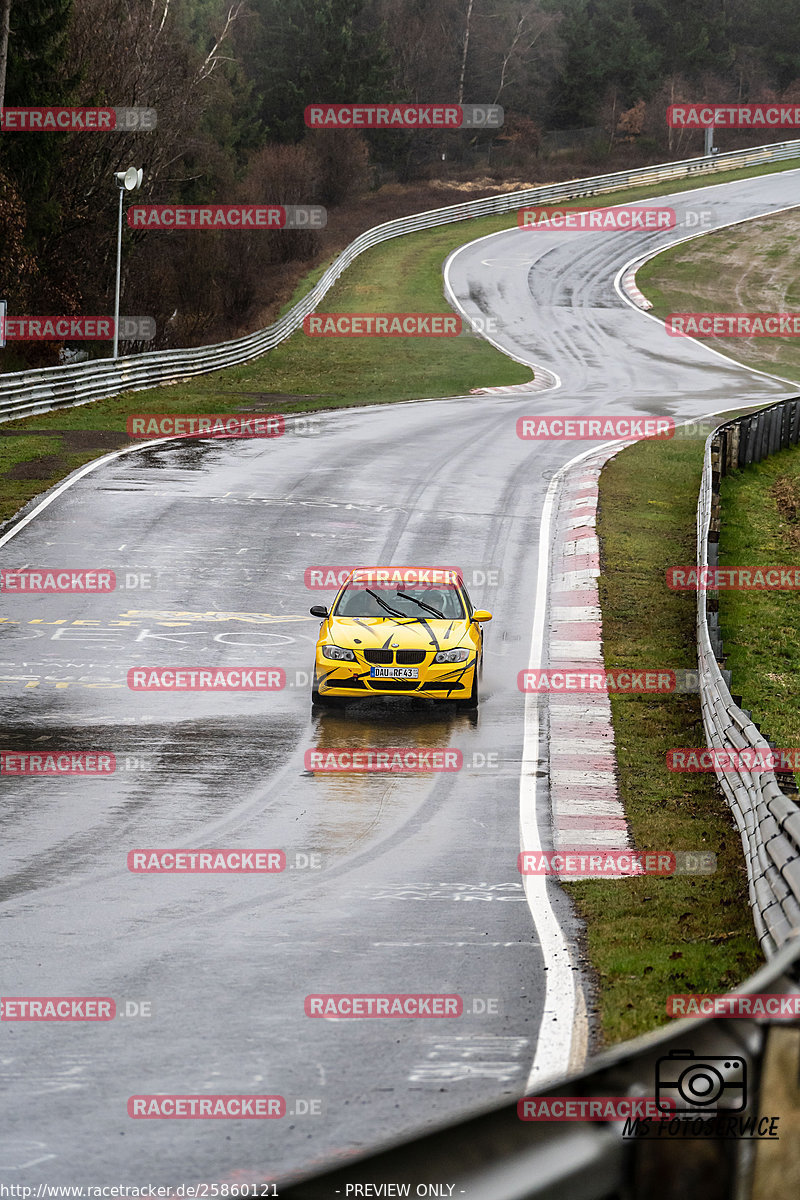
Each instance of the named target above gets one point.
<point>688,1083</point>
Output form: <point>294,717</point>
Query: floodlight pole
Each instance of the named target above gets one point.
<point>127,181</point>
<point>119,265</point>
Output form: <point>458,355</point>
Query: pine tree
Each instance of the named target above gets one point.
<point>37,75</point>
<point>605,47</point>
<point>315,50</point>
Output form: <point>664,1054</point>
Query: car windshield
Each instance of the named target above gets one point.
<point>366,601</point>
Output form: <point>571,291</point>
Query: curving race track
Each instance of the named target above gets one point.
<point>414,886</point>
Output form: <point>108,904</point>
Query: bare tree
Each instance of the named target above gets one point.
<point>532,26</point>
<point>135,54</point>
<point>5,24</point>
<point>214,58</point>
<point>467,27</point>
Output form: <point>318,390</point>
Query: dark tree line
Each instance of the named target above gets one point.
<point>230,80</point>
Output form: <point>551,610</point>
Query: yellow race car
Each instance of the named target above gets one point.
<point>395,631</point>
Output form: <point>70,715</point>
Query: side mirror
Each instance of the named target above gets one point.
<point>481,614</point>
<point>319,610</point>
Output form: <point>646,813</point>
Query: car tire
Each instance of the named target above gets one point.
<point>318,701</point>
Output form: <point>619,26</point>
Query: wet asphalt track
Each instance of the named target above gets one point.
<point>416,887</point>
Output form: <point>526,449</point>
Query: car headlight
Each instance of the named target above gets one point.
<point>452,656</point>
<point>338,652</point>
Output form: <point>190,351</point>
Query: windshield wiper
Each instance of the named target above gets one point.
<point>375,596</point>
<point>422,604</point>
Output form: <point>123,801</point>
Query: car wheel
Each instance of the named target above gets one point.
<point>318,701</point>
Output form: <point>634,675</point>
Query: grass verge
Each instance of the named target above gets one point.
<point>753,267</point>
<point>761,525</point>
<point>306,374</point>
<point>648,938</point>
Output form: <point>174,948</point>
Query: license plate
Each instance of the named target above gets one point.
<point>394,673</point>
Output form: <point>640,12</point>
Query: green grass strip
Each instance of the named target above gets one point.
<point>760,628</point>
<point>751,267</point>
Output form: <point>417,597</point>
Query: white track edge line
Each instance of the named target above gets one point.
<point>68,482</point>
<point>640,260</point>
<point>556,1035</point>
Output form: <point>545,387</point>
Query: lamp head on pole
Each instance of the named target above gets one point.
<point>131,179</point>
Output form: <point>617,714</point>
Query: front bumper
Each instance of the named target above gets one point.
<point>438,681</point>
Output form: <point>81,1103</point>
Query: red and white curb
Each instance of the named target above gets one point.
<point>586,808</point>
<point>629,286</point>
<point>543,381</point>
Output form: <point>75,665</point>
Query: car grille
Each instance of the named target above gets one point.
<point>408,658</point>
<point>395,685</point>
<point>378,656</point>
<point>404,658</point>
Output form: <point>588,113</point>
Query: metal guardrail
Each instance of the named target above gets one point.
<point>494,1155</point>
<point>26,393</point>
<point>768,820</point>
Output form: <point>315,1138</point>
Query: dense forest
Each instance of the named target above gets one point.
<point>584,85</point>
